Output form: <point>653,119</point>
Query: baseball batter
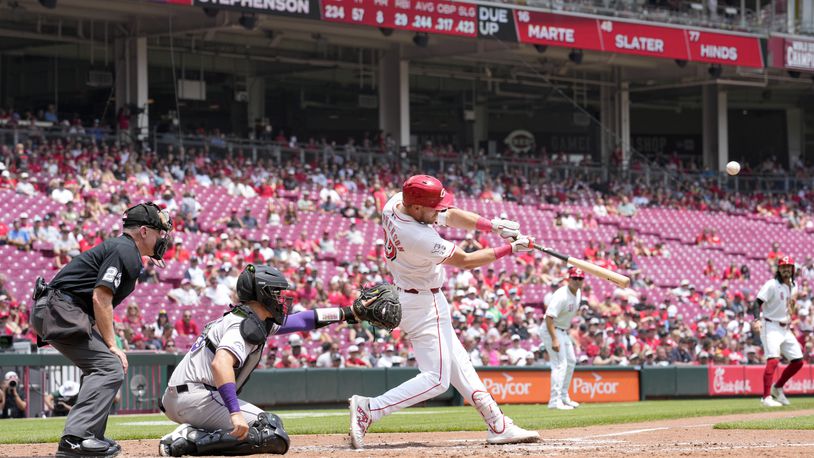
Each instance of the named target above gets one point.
<point>415,255</point>
<point>202,392</point>
<point>776,297</point>
<point>561,309</point>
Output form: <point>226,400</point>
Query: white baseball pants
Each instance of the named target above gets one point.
<point>779,340</point>
<point>563,363</point>
<point>441,358</point>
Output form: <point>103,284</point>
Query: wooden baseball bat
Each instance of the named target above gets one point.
<point>591,268</point>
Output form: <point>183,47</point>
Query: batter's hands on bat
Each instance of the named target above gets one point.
<point>506,229</point>
<point>522,243</point>
<point>241,427</point>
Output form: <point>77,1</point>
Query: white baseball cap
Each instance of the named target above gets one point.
<point>353,348</point>
<point>11,375</point>
<point>295,340</point>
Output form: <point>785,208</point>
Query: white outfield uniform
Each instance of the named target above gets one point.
<point>775,298</point>
<point>775,334</point>
<point>415,252</point>
<point>562,308</point>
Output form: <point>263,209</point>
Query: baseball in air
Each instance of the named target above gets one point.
<point>733,168</point>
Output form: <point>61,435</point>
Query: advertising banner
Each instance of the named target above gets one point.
<point>748,380</point>
<point>533,387</point>
<point>792,53</point>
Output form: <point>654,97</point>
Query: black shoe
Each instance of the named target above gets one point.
<point>74,447</point>
<point>111,443</point>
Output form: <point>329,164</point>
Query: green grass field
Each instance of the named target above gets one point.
<point>422,419</point>
<point>801,422</point>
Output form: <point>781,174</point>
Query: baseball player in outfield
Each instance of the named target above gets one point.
<point>561,309</point>
<point>415,255</point>
<point>202,392</point>
<point>776,297</point>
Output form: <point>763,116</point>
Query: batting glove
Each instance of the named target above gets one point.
<point>522,244</point>
<point>506,229</point>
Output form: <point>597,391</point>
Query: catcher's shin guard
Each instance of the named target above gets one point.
<point>266,435</point>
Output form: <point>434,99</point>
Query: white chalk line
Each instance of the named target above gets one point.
<point>287,415</point>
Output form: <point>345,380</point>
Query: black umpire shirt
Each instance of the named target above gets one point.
<point>115,263</point>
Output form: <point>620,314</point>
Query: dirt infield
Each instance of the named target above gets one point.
<point>683,437</point>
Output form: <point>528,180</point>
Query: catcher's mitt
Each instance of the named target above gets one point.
<point>379,305</point>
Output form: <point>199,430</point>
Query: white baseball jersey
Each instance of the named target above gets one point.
<point>563,306</point>
<point>196,365</point>
<point>775,297</point>
<point>414,251</point>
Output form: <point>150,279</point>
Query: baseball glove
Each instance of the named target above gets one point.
<point>379,305</point>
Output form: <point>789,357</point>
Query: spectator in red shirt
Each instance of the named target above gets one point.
<point>255,257</point>
<point>342,297</point>
<point>732,272</point>
<point>177,252</point>
<point>710,270</point>
<point>354,358</point>
<point>590,251</point>
<point>376,253</point>
<point>133,318</point>
<point>305,246</point>
<point>774,254</point>
<point>186,326</point>
<point>490,278</point>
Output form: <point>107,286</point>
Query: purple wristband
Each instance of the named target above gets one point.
<point>228,391</point>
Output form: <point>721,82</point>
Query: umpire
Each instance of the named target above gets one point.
<point>82,294</point>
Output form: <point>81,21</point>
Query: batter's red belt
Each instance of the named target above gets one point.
<point>415,291</point>
<point>778,322</point>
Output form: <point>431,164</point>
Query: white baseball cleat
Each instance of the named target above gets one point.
<point>779,396</point>
<point>511,434</point>
<point>360,420</point>
<point>769,402</point>
<point>559,405</point>
<point>569,402</point>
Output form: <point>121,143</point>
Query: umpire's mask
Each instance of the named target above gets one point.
<point>264,285</point>
<point>150,215</point>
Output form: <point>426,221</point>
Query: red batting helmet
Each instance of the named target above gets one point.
<point>426,191</point>
<point>575,272</point>
<point>787,261</point>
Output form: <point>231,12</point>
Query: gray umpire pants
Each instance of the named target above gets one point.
<point>102,376</point>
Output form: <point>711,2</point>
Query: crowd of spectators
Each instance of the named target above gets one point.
<point>91,181</point>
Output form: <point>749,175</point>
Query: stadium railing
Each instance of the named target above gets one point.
<point>645,170</point>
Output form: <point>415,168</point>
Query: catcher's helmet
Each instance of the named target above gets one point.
<point>263,284</point>
<point>426,191</point>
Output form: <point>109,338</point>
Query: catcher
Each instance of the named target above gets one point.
<point>202,392</point>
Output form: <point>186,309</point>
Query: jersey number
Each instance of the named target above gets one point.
<point>389,248</point>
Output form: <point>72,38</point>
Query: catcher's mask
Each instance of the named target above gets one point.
<point>264,285</point>
<point>150,215</point>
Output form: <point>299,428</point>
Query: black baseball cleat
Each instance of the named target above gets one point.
<point>74,447</point>
<point>112,443</point>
